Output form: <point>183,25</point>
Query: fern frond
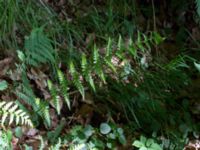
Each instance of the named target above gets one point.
<point>90,80</point>
<point>139,42</point>
<point>131,48</point>
<point>84,64</point>
<point>95,55</point>
<point>99,72</point>
<point>76,80</point>
<point>146,41</point>
<point>27,99</point>
<point>78,147</point>
<point>86,71</point>
<point>57,146</point>
<point>54,95</point>
<point>72,68</point>
<point>64,88</point>
<point>10,110</point>
<point>78,84</point>
<point>38,48</point>
<point>109,47</point>
<point>43,110</point>
<point>110,64</point>
<point>119,43</point>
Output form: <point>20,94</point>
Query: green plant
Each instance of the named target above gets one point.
<point>40,107</point>
<point>3,85</point>
<point>5,140</point>
<point>107,136</point>
<point>8,9</point>
<point>198,7</point>
<point>10,110</point>
<point>57,146</point>
<point>38,48</point>
<point>146,144</point>
<point>62,90</point>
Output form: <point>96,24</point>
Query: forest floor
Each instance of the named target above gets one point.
<point>131,69</point>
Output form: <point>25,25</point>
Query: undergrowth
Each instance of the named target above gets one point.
<point>99,51</point>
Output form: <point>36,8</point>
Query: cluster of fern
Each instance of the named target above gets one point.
<point>91,70</point>
<point>10,112</point>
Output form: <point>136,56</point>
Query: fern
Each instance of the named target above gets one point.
<point>84,64</point>
<point>57,146</point>
<point>95,55</point>
<point>76,79</point>
<point>64,88</point>
<point>61,90</point>
<point>86,71</point>
<point>38,48</point>
<point>54,95</point>
<point>43,111</point>
<point>10,110</point>
<point>198,7</point>
<point>79,147</point>
<point>6,140</point>
<point>109,47</point>
<point>97,64</point>
<point>90,80</point>
<point>40,108</point>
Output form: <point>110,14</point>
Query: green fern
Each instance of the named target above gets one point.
<point>97,64</point>
<point>27,95</point>
<point>54,95</point>
<point>198,7</point>
<point>76,79</point>
<point>38,48</point>
<point>10,110</point>
<point>79,147</point>
<point>60,91</point>
<point>64,87</point>
<point>86,71</point>
<point>95,55</point>
<point>6,140</point>
<point>109,48</point>
<point>43,111</point>
<point>57,146</point>
<point>84,64</point>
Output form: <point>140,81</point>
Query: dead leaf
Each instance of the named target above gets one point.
<point>31,132</point>
<point>5,65</point>
<point>15,143</point>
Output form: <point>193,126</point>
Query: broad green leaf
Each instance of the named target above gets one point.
<point>155,146</point>
<point>105,128</point>
<point>3,85</point>
<point>149,142</point>
<point>138,144</point>
<point>122,139</point>
<point>18,132</point>
<point>197,66</point>
<point>143,148</point>
<point>143,139</point>
<point>88,131</point>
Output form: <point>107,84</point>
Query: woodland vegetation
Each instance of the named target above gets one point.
<point>99,74</point>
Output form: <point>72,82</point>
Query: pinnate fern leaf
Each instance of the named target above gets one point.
<point>64,88</point>
<point>54,95</point>
<point>38,48</point>
<point>10,111</point>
